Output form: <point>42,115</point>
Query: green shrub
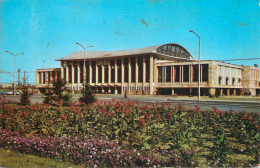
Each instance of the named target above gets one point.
<point>88,95</point>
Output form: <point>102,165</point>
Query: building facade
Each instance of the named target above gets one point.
<point>162,69</point>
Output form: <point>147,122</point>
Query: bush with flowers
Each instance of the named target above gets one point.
<point>127,135</point>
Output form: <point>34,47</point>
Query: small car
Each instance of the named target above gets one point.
<point>3,92</point>
<point>9,93</point>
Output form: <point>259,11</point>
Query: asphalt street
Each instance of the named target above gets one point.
<point>239,103</point>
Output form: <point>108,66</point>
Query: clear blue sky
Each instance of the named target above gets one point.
<point>48,29</point>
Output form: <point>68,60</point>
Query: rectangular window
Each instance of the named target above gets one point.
<point>195,73</point>
<point>126,69</point>
<point>54,75</point>
<point>177,73</point>
<point>81,72</point>
<point>65,73</point>
<point>70,74</point>
<point>49,77</point>
<point>75,74</point>
<point>44,78</point>
<point>205,72</point>
<point>132,59</point>
<point>58,75</point>
<point>100,73</point>
<point>93,71</point>
<point>119,71</point>
<point>159,74</point>
<point>168,73</point>
<point>106,73</point>
<point>112,66</point>
<point>186,69</point>
<point>147,61</point>
<point>140,69</point>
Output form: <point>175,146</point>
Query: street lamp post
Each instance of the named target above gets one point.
<point>14,67</point>
<point>84,63</point>
<point>199,66</point>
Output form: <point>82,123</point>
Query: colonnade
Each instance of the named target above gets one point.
<point>129,74</point>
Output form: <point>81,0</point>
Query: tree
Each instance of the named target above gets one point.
<point>25,95</point>
<point>56,92</point>
<point>88,95</point>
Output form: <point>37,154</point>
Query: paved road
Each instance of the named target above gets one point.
<point>247,104</point>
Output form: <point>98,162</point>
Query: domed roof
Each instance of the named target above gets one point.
<point>170,50</point>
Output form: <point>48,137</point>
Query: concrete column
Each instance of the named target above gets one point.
<point>67,72</point>
<point>47,77</point>
<point>221,92</point>
<point>37,77</point>
<point>115,71</point>
<point>136,72</point>
<point>72,72</point>
<point>129,74</point>
<point>122,75</point>
<point>228,92</point>
<point>42,76</point>
<point>201,70</point>
<point>180,78</point>
<point>172,91</point>
<point>90,72</point>
<point>144,71</point>
<point>151,74</point>
<point>109,72</point>
<point>78,74</point>
<point>235,92</point>
<point>62,70</point>
<point>173,74</point>
<point>155,71</point>
<point>115,90</point>
<point>189,74</point>
<point>96,73</point>
<point>51,76</point>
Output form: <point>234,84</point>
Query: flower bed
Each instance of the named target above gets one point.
<point>126,134</point>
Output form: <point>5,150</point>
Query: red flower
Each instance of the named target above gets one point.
<point>147,115</point>
<point>75,111</point>
<point>4,116</point>
<point>60,102</point>
<point>142,121</point>
<point>62,117</point>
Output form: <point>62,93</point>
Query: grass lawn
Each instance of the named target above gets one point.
<point>13,159</point>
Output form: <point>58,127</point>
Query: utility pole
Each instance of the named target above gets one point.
<point>14,67</point>
<point>199,67</point>
<point>19,70</point>
<point>84,63</point>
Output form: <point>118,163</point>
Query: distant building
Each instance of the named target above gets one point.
<point>167,69</point>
